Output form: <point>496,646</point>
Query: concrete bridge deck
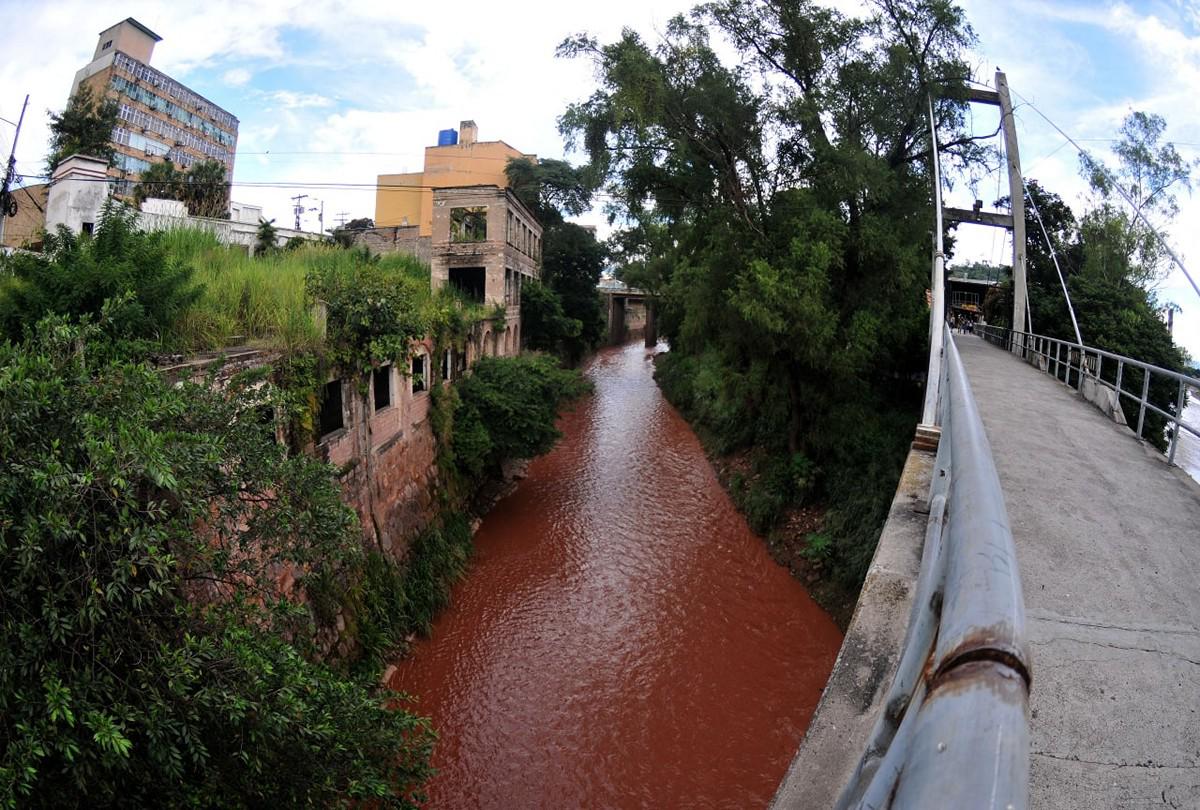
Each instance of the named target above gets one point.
<point>1108,541</point>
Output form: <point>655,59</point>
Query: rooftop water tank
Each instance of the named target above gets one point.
<point>447,137</point>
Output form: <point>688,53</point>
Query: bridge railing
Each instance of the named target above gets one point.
<point>1081,366</point>
<point>954,730</point>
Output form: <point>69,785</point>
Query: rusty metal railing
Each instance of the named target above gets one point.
<point>954,730</point>
<point>1064,359</point>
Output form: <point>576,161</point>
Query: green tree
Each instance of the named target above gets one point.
<point>550,188</point>
<point>265,238</point>
<point>1133,200</point>
<point>572,258</point>
<point>84,127</point>
<point>507,409</point>
<point>161,181</point>
<point>143,660</point>
<point>545,325</point>
<point>781,211</point>
<point>204,187</point>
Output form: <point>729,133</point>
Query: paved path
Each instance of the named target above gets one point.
<point>1108,540</point>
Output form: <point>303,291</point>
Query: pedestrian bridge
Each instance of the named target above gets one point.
<point>1106,538</point>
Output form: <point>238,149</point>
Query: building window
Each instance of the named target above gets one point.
<point>381,384</point>
<point>330,418</point>
<point>470,281</point>
<point>448,365</point>
<point>418,374</point>
<point>89,227</point>
<point>468,224</point>
<point>106,45</point>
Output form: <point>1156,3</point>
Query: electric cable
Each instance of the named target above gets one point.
<point>1061,279</point>
<point>1136,211</point>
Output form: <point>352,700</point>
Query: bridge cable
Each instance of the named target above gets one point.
<point>1061,279</point>
<point>1104,169</point>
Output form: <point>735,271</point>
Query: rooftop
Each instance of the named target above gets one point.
<point>139,27</point>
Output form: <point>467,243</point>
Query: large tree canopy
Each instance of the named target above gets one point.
<point>84,127</point>
<point>564,314</point>
<point>780,206</point>
<point>204,187</point>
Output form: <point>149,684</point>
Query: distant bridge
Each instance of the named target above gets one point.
<point>627,312</point>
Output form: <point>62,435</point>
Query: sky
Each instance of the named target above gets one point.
<point>342,92</point>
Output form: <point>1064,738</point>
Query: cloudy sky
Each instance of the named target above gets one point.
<point>341,92</point>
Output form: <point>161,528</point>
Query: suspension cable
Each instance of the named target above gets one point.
<point>1061,279</point>
<point>1136,211</point>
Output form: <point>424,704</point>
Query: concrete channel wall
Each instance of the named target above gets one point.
<point>867,662</point>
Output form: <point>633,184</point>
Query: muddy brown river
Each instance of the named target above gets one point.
<point>622,639</point>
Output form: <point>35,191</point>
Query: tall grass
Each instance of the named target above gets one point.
<point>260,300</point>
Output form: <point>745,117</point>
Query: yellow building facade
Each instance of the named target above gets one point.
<point>407,199</point>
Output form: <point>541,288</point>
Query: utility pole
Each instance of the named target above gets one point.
<point>8,206</point>
<point>298,207</point>
<point>1016,193</point>
<point>929,431</point>
<point>342,218</point>
<point>1014,222</point>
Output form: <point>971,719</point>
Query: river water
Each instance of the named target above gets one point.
<point>622,639</point>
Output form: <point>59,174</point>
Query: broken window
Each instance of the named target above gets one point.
<point>381,384</point>
<point>468,224</point>
<point>330,418</point>
<point>469,281</point>
<point>418,374</point>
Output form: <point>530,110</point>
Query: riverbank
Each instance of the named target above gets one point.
<point>818,515</point>
<point>788,543</point>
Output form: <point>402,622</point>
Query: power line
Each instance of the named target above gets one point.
<point>1136,211</point>
<point>298,185</point>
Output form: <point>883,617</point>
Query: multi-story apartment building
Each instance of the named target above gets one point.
<point>158,118</point>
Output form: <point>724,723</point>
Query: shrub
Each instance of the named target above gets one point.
<point>507,409</point>
<point>78,274</point>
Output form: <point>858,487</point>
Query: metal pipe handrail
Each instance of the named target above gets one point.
<point>960,693</point>
<point>1052,349</point>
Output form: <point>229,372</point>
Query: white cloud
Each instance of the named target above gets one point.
<point>290,100</point>
<point>237,77</point>
<point>1070,78</point>
<point>406,71</point>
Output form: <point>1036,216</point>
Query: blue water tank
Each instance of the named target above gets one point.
<point>447,137</point>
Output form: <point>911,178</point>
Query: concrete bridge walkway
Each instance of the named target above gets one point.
<point>1108,541</point>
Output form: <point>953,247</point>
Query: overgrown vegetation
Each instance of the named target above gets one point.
<point>148,288</point>
<point>506,409</point>
<point>144,661</point>
<point>781,212</point>
<point>168,566</point>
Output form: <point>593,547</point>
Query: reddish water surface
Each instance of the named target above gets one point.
<point>622,638</point>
